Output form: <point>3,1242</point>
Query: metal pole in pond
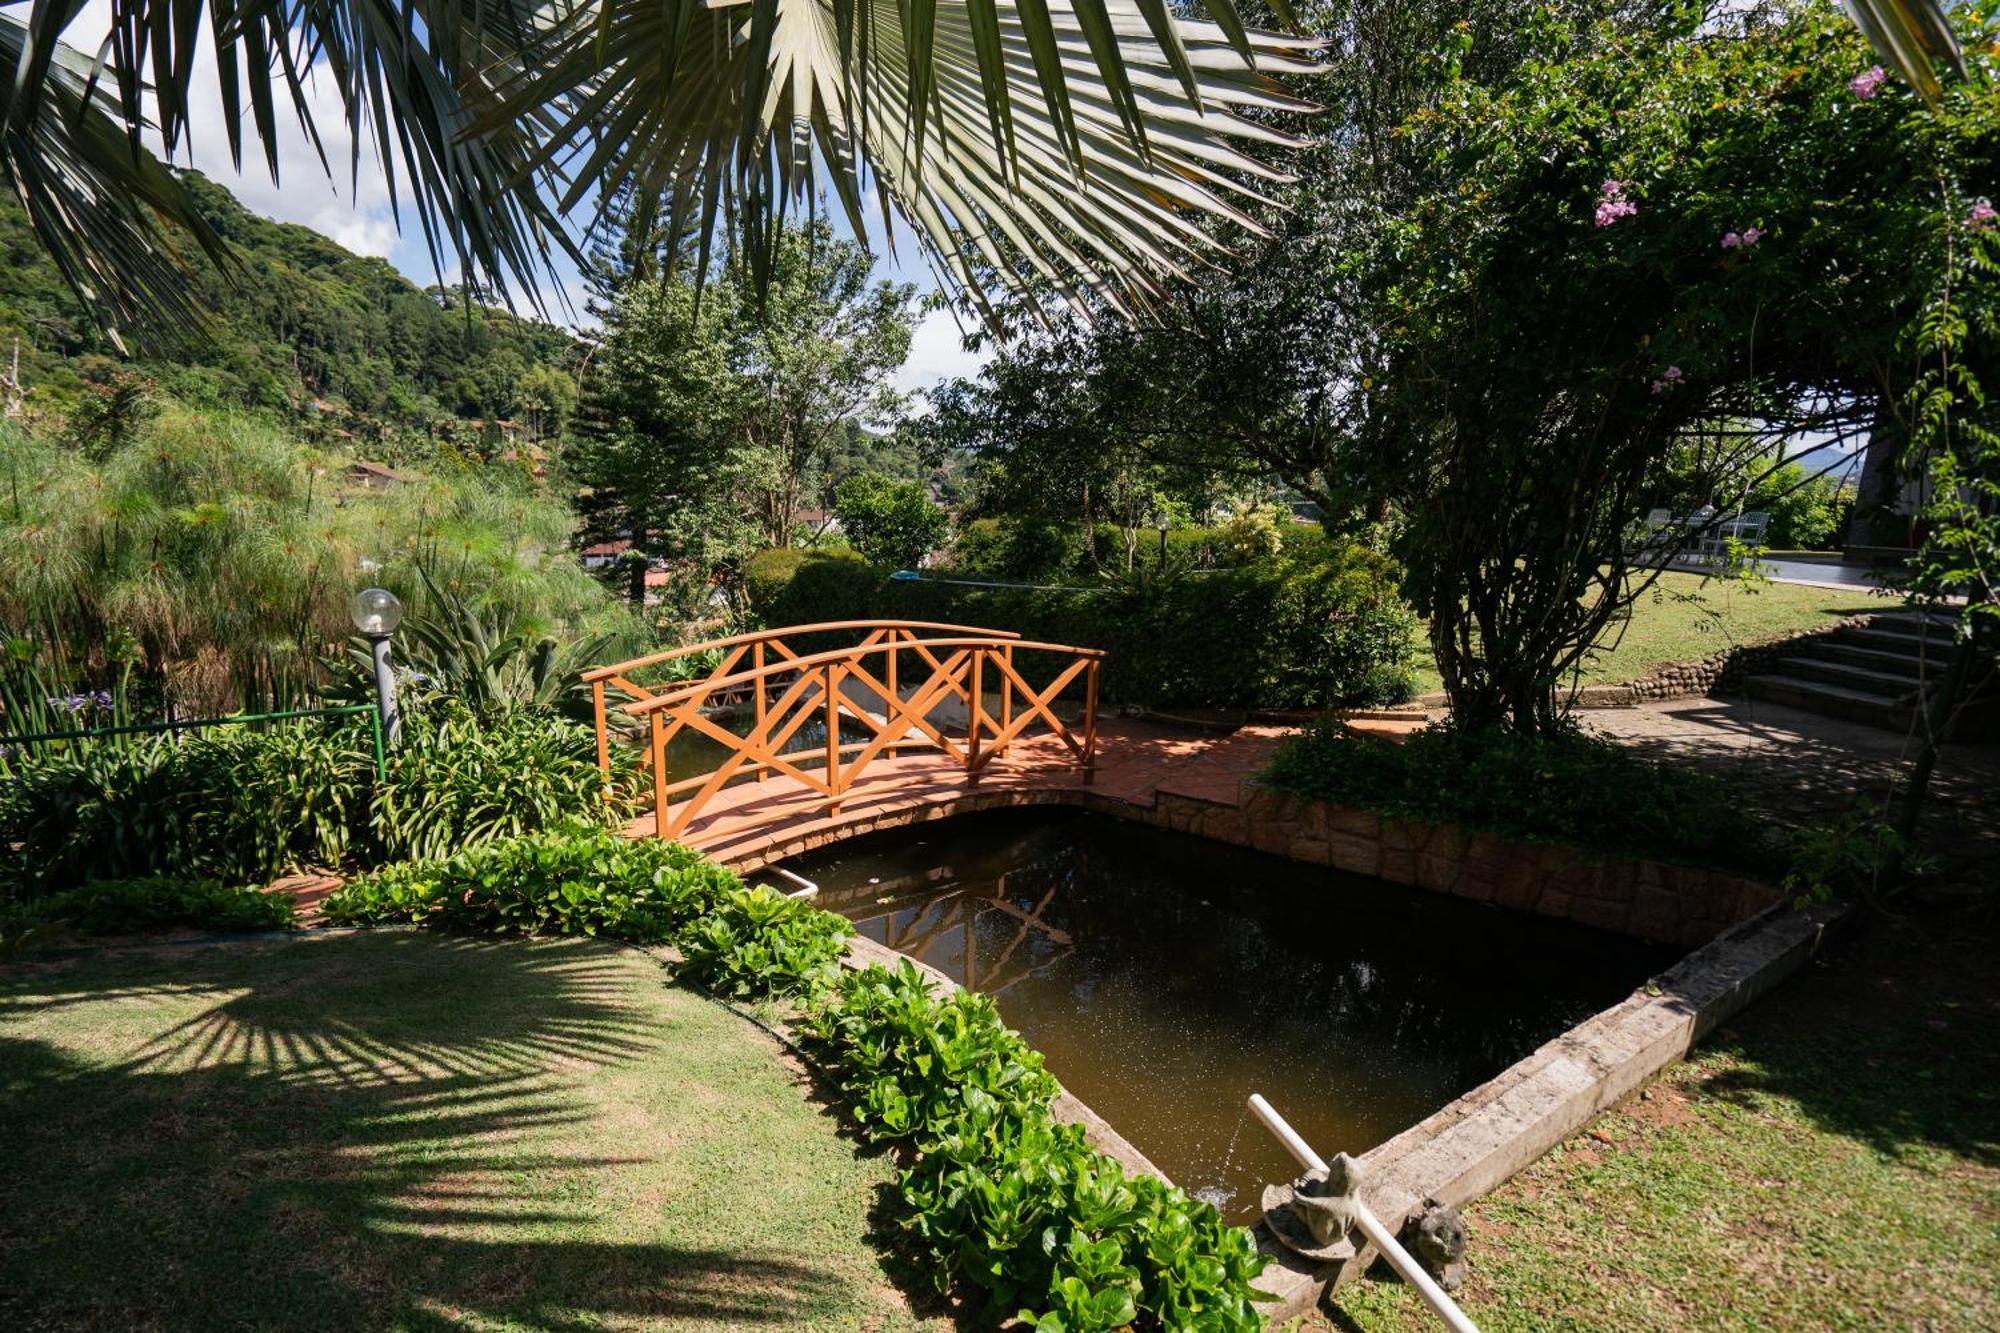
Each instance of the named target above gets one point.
<point>1399,1258</point>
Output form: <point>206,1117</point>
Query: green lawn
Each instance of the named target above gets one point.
<point>1684,618</point>
<point>1831,1160</point>
<point>402,1131</point>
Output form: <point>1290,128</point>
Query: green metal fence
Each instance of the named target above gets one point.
<point>232,720</point>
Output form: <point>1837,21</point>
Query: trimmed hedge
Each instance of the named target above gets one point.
<point>1042,552</point>
<point>1569,788</point>
<point>1285,633</point>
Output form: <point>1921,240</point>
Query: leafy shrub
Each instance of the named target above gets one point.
<point>457,780</point>
<point>757,941</point>
<point>578,881</point>
<point>1001,1195</point>
<point>890,522</point>
<point>240,805</point>
<point>1309,631</point>
<point>1564,788</point>
<point>158,902</point>
<point>231,805</point>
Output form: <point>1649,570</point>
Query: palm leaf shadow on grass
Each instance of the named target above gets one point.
<point>386,1136</point>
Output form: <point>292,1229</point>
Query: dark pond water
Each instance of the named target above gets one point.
<point>1166,978</point>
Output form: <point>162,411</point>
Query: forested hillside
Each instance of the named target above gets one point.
<point>302,330</point>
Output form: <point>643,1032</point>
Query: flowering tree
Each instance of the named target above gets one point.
<point>1732,235</point>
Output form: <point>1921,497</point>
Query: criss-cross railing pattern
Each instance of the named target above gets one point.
<point>906,685</point>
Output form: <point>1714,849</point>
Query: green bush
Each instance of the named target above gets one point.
<point>1296,632</point>
<point>458,780</point>
<point>757,941</point>
<point>231,805</point>
<point>1000,1195</point>
<point>579,881</point>
<point>243,805</point>
<point>158,902</point>
<point>1566,788</point>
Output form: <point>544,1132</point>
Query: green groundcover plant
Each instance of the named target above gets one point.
<point>997,1196</point>
<point>1564,787</point>
<point>566,881</point>
<point>760,942</point>
<point>157,902</point>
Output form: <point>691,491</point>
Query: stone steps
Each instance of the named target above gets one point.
<point>1818,696</point>
<point>1900,686</point>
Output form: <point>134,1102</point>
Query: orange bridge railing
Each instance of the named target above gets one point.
<point>906,684</point>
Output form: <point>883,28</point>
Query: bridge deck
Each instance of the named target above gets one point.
<point>752,824</point>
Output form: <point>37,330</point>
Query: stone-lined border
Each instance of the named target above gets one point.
<point>1657,901</point>
<point>1725,671</point>
<point>1482,1139</point>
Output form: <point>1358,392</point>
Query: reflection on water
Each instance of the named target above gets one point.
<point>1166,978</point>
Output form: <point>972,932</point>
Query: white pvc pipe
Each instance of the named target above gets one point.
<point>807,889</point>
<point>1380,1236</point>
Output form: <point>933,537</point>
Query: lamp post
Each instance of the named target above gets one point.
<point>376,613</point>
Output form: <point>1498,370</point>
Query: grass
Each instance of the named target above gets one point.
<point>1830,1161</point>
<point>1685,618</point>
<point>402,1131</point>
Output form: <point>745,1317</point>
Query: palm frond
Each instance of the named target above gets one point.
<point>1036,145</point>
<point>95,196</point>
<point>1912,36</point>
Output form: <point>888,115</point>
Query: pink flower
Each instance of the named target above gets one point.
<point>1864,84</point>
<point>1673,373</point>
<point>1612,188</point>
<point>1669,376</point>
<point>1730,240</point>
<point>1751,236</point>
<point>1612,210</point>
<point>1982,215</point>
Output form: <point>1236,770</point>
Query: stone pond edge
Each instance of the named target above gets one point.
<point>1744,940</point>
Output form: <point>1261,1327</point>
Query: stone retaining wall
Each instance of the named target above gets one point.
<point>1650,900</point>
<point>1724,671</point>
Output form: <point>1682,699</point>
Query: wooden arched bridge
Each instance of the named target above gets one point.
<point>826,716</point>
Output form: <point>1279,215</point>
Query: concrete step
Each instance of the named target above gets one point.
<point>1902,686</point>
<point>1931,647</point>
<point>1864,706</point>
<point>1908,665</point>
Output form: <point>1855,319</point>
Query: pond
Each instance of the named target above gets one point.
<point>1166,978</point>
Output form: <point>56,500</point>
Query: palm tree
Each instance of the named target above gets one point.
<point>1065,147</point>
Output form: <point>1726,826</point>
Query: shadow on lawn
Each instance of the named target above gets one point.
<point>1892,1039</point>
<point>361,1141</point>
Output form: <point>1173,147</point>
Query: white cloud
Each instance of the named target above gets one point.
<point>351,207</point>
<point>937,352</point>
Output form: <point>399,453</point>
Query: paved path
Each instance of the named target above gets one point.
<point>1805,767</point>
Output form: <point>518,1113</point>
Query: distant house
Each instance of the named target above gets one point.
<point>601,554</point>
<point>375,476</point>
<point>528,456</point>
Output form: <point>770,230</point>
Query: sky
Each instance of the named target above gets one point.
<point>355,209</point>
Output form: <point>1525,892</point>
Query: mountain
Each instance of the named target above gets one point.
<point>302,330</point>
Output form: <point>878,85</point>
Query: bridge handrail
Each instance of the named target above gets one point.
<point>766,635</point>
<point>960,660</point>
<point>683,692</point>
